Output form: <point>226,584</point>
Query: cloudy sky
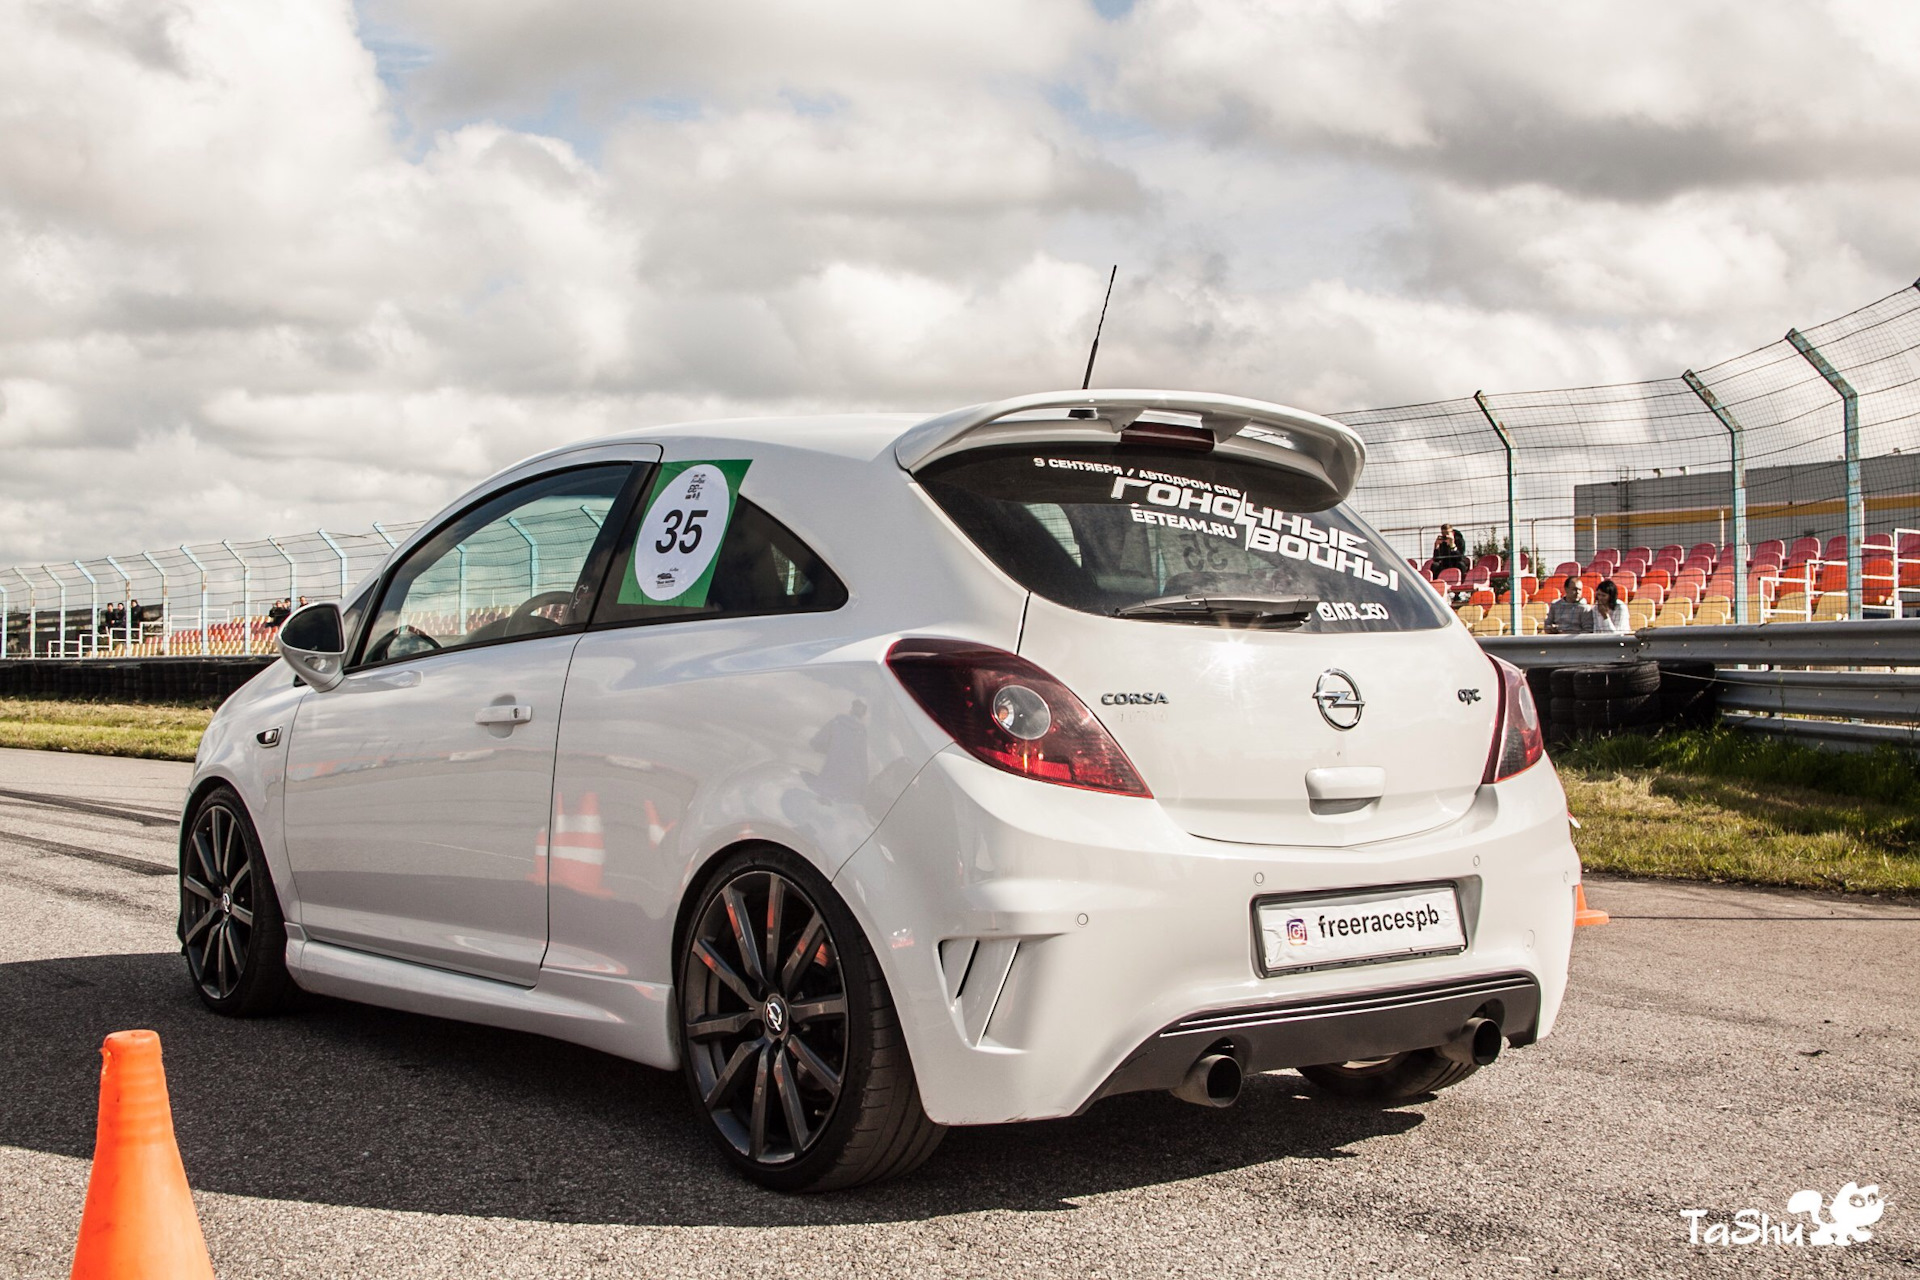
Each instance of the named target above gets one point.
<point>282,263</point>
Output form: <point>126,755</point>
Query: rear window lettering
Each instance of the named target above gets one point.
<point>1102,527</point>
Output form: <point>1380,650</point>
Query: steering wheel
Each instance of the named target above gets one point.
<point>529,610</point>
<point>407,639</point>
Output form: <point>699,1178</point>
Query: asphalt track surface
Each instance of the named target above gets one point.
<point>1721,1049</point>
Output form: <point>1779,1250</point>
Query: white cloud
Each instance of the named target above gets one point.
<point>287,263</point>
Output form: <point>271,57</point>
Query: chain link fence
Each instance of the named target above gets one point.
<point>198,600</point>
<point>1780,485</point>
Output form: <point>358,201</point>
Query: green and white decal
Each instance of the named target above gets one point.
<point>674,554</point>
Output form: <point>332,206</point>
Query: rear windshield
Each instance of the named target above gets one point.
<point>1100,527</point>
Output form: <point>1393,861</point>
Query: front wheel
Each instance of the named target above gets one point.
<point>230,925</point>
<point>791,1045</point>
<point>1390,1079</point>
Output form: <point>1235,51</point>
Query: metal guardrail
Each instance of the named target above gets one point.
<point>1760,686</point>
<point>1883,642</point>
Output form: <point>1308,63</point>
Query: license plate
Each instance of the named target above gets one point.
<point>1356,928</point>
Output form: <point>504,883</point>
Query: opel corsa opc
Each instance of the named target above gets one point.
<point>884,774</point>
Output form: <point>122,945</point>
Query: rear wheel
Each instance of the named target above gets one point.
<point>792,1048</point>
<point>1391,1079</point>
<point>230,925</point>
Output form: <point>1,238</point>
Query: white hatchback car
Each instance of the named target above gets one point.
<point>886,774</point>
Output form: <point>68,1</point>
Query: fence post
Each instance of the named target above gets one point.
<point>1737,457</point>
<point>33,614</point>
<point>126,605</point>
<point>1513,530</point>
<point>166,606</point>
<point>293,572</point>
<point>344,584</point>
<point>62,633</point>
<point>246,598</point>
<point>93,608</point>
<point>387,537</point>
<point>5,600</point>
<point>1856,504</point>
<point>206,646</point>
<point>533,555</point>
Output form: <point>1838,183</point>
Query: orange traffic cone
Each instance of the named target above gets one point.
<point>138,1220</point>
<point>1584,914</point>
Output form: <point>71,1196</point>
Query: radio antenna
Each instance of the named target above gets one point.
<point>1095,353</point>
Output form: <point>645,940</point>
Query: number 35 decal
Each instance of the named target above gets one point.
<point>675,555</point>
<point>687,542</point>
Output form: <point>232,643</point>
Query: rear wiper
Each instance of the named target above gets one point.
<point>1278,612</point>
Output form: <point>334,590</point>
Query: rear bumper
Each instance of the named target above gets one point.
<point>1338,1028</point>
<point>1046,947</point>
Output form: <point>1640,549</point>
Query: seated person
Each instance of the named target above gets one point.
<point>1449,550</point>
<point>1570,615</point>
<point>1609,610</point>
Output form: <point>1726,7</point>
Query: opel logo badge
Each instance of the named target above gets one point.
<point>776,1014</point>
<point>1338,698</point>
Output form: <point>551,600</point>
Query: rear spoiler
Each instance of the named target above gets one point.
<point>1304,442</point>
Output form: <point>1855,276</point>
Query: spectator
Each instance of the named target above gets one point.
<point>1609,613</point>
<point>1449,550</point>
<point>278,614</point>
<point>1570,615</point>
<point>303,602</point>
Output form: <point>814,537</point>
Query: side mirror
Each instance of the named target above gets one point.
<point>313,642</point>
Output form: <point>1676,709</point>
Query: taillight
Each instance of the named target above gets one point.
<point>1517,743</point>
<point>1013,715</point>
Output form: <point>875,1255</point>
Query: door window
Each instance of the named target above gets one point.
<point>524,562</point>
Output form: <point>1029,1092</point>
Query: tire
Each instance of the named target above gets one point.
<point>1616,713</point>
<point>1394,1079</point>
<point>838,1104</point>
<point>1688,696</point>
<point>1617,680</point>
<point>1560,683</point>
<point>231,930</point>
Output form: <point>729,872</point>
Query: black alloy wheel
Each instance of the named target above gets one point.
<point>230,924</point>
<point>790,1043</point>
<point>766,1016</point>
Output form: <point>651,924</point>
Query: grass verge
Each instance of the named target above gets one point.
<point>1721,806</point>
<point>104,728</point>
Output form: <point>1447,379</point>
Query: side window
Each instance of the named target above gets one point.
<point>521,563</point>
<point>760,568</point>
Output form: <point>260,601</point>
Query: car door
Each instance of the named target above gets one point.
<point>417,790</point>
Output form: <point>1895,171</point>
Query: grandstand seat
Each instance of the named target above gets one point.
<point>1803,550</point>
<point>1876,581</point>
<point>1909,544</point>
<point>1532,626</point>
<point>1483,598</point>
<point>1651,592</point>
<point>1535,613</point>
<point>1789,606</point>
<point>1832,607</point>
<point>1491,625</point>
<point>1626,580</point>
<point>1588,581</point>
<point>1450,576</point>
<point>1643,553</point>
<point>1836,548</point>
<point>1706,549</point>
<point>1489,563</point>
<point>1831,576</point>
<point>1909,574</point>
<point>1479,577</point>
<point>1877,544</point>
<point>1675,613</point>
<point>1772,546</point>
<point>1640,613</point>
<point>1688,590</point>
<point>1660,577</point>
<point>1567,568</point>
<point>1470,613</point>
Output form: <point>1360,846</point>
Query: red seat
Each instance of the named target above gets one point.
<point>1836,548</point>
<point>1706,549</point>
<point>1483,598</point>
<point>1831,577</point>
<point>1803,549</point>
<point>1650,591</point>
<point>1876,581</point>
<point>1658,576</point>
<point>1450,576</point>
<point>1567,567</point>
<point>1909,544</point>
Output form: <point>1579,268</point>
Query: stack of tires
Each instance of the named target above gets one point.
<point>1602,698</point>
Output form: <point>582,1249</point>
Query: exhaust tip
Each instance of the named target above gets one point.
<point>1477,1044</point>
<point>1213,1081</point>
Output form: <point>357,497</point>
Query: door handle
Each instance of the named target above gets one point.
<point>1350,782</point>
<point>511,713</point>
